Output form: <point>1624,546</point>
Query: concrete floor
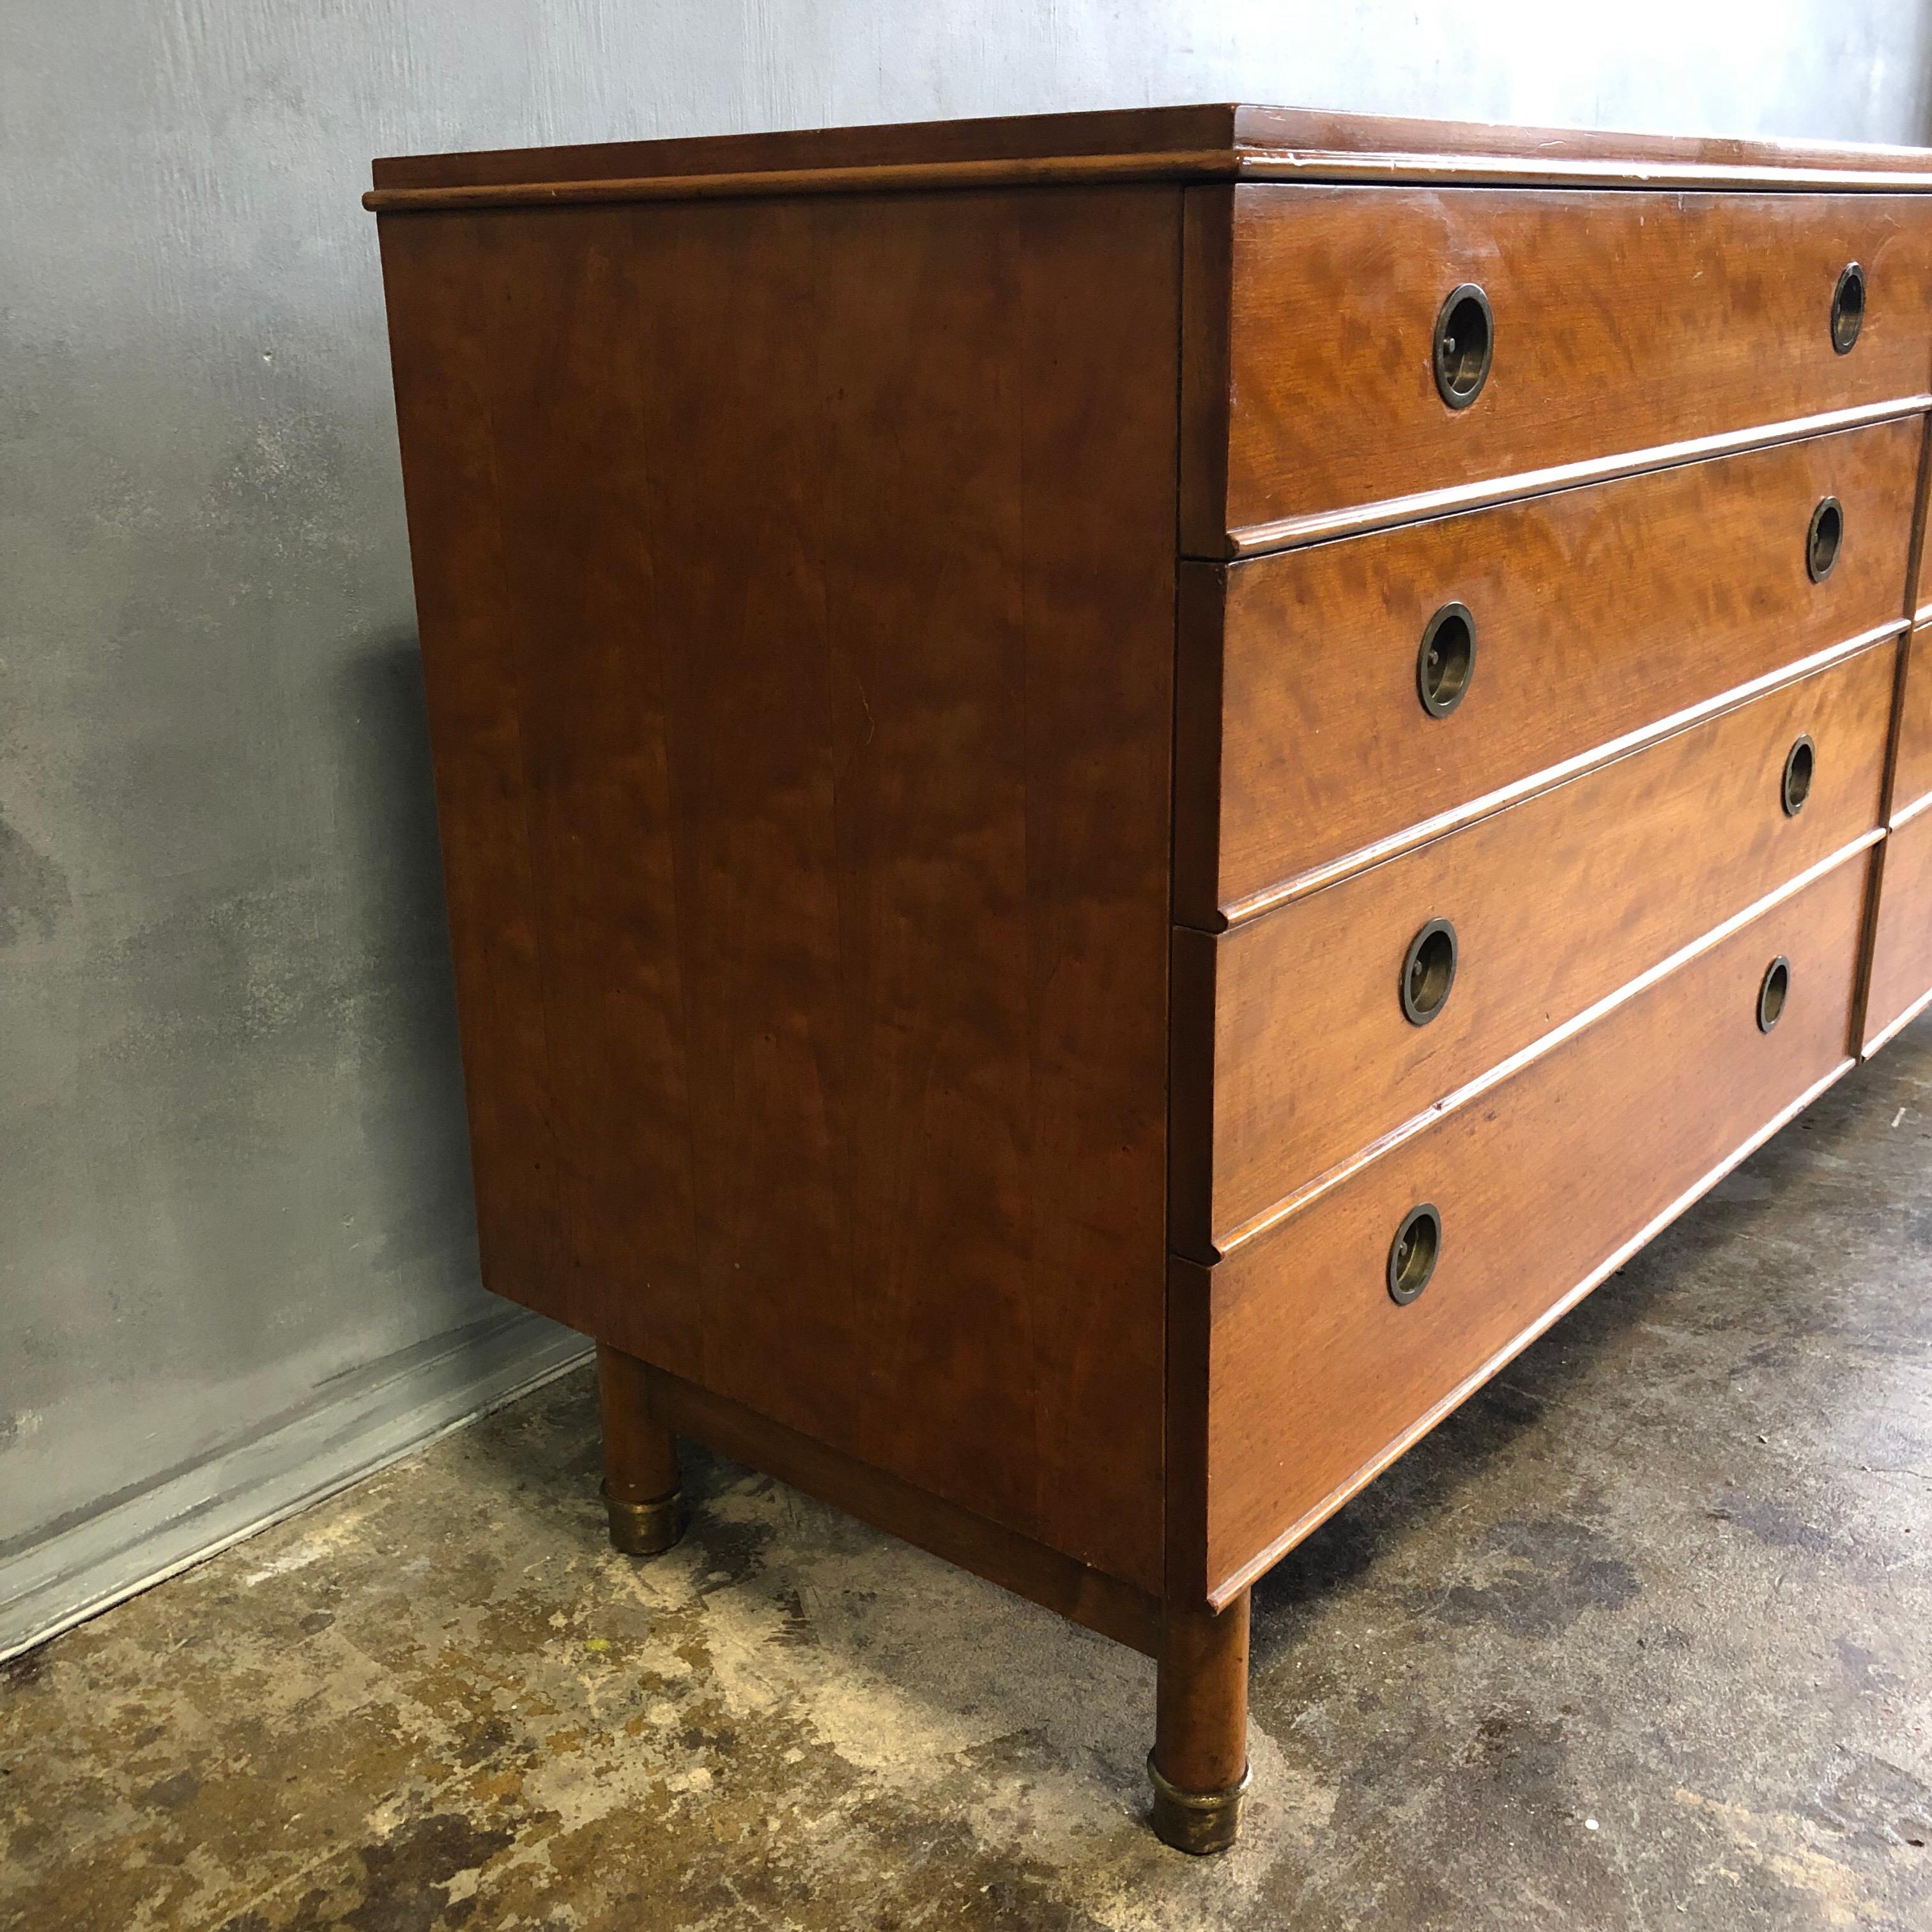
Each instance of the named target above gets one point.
<point>1636,1640</point>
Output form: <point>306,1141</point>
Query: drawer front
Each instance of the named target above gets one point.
<point>1620,321</point>
<point>1920,601</point>
<point>1912,765</point>
<point>1901,965</point>
<point>1316,1377</point>
<point>1596,613</point>
<point>1550,906</point>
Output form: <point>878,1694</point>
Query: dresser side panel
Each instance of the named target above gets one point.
<point>442,373</point>
<point>837,540</point>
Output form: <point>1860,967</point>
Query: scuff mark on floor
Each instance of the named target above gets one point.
<point>1665,1582</point>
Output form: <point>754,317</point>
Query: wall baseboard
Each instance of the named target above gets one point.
<point>363,1422</point>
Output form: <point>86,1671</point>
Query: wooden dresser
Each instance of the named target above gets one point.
<point>1122,793</point>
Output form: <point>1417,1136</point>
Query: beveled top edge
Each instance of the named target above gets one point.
<point>1307,139</point>
<point>1311,132</point>
<point>1024,137</point>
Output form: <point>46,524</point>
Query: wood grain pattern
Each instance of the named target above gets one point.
<point>1088,1597</point>
<point>573,431</point>
<point>1201,1701</point>
<point>938,177</point>
<point>1304,131</point>
<point>1555,905</point>
<point>457,546</point>
<point>830,882</point>
<point>640,1463</point>
<point>1207,289</point>
<point>899,144</point>
<point>1238,134</point>
<point>1911,757</point>
<point>1919,588</point>
<point>1623,320</point>
<point>1318,1378</point>
<point>1901,974</point>
<point>835,765</point>
<point>1302,742</point>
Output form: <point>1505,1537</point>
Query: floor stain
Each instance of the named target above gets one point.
<point>1633,1640</point>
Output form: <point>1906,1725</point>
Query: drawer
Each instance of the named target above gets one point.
<point>1315,1377</point>
<point>1619,322</point>
<point>1901,963</point>
<point>1920,601</point>
<point>1528,917</point>
<point>1304,746</point>
<point>1912,763</point>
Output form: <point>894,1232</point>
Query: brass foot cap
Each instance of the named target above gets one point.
<point>645,1529</point>
<point>1198,1822</point>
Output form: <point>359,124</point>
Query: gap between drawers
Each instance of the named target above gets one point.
<point>1365,858</point>
<point>1258,1225</point>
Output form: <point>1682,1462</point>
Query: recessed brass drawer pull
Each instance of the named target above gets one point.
<point>1848,307</point>
<point>1465,338</point>
<point>1428,972</point>
<point>1412,1254</point>
<point>1800,763</point>
<point>1772,992</point>
<point>1823,540</point>
<point>1447,660</point>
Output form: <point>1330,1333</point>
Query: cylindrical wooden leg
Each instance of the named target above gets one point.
<point>640,1480</point>
<point>1199,1762</point>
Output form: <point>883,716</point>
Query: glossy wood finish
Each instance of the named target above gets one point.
<point>1077,1592</point>
<point>897,897</point>
<point>1625,322</point>
<point>1919,591</point>
<point>442,371</point>
<point>1601,613</point>
<point>1201,1724</point>
<point>639,1457</point>
<point>1260,129</point>
<point>1228,138</point>
<point>1901,959</point>
<point>1288,1102</point>
<point>1316,1377</point>
<point>1911,762</point>
<point>642,1491</point>
<point>809,893</point>
<point>1202,1711</point>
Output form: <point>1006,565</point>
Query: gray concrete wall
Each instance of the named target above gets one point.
<point>236,1261</point>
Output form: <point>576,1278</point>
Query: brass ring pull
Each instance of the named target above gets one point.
<point>1848,307</point>
<point>1801,764</point>
<point>1464,337</point>
<point>1773,991</point>
<point>1823,539</point>
<point>1412,1254</point>
<point>1428,972</point>
<point>1447,659</point>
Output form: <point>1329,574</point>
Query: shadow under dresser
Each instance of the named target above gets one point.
<point>1122,793</point>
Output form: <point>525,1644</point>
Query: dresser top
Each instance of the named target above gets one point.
<point>1211,142</point>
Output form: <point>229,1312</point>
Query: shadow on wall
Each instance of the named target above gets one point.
<point>387,754</point>
<point>365,1332</point>
<point>413,1118</point>
<point>33,893</point>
